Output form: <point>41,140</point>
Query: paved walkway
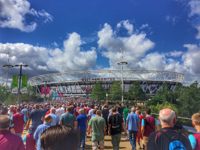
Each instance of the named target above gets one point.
<point>124,144</point>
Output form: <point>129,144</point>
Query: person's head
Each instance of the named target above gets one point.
<point>81,111</point>
<point>133,109</point>
<point>167,117</point>
<point>53,110</point>
<point>69,109</point>
<point>147,111</point>
<point>114,109</point>
<point>98,112</point>
<point>196,119</point>
<point>4,122</point>
<point>47,119</point>
<point>59,138</point>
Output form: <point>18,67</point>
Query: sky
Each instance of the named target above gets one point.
<point>59,36</point>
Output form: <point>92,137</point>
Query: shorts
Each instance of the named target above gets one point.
<point>97,144</point>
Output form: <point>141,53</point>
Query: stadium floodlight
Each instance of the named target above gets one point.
<point>122,63</point>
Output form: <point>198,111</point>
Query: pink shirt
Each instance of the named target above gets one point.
<point>9,141</point>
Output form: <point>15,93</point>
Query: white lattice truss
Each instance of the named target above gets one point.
<point>77,82</point>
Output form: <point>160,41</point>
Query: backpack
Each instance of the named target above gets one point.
<point>175,142</point>
<point>149,125</point>
<point>115,123</point>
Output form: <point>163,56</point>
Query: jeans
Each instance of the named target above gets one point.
<point>82,139</point>
<point>132,139</point>
<point>115,141</point>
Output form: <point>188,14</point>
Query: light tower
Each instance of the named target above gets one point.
<point>122,63</point>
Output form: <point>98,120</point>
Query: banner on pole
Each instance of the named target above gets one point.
<point>24,84</point>
<point>14,84</point>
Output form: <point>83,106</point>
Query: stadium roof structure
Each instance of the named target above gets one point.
<point>106,75</point>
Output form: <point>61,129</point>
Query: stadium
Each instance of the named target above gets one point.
<point>77,83</point>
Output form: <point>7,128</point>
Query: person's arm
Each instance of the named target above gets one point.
<point>36,134</point>
<point>89,127</point>
<point>61,120</point>
<point>127,120</point>
<point>142,126</point>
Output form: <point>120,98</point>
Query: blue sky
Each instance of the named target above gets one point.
<point>79,35</point>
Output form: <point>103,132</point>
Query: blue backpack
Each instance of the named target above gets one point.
<point>176,145</point>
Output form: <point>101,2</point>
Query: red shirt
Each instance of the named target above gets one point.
<point>18,120</point>
<point>9,141</point>
<point>30,142</point>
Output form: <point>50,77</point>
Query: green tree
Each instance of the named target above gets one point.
<point>135,92</point>
<point>163,94</point>
<point>98,92</point>
<point>189,100</point>
<point>115,91</point>
<point>3,93</point>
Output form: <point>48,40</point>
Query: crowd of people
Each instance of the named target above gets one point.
<point>66,125</point>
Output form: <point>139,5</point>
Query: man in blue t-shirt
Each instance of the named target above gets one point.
<point>132,124</point>
<point>82,126</point>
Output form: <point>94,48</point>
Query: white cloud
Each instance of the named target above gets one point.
<point>195,7</point>
<point>43,60</point>
<point>13,15</point>
<point>153,61</point>
<point>127,25</point>
<point>195,11</point>
<point>198,31</point>
<point>175,53</point>
<point>144,26</point>
<point>72,57</point>
<point>171,19</point>
<point>192,58</point>
<point>134,46</point>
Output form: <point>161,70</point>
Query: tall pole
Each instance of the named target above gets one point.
<point>122,63</point>
<point>20,78</point>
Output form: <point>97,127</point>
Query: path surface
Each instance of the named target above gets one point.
<point>124,144</point>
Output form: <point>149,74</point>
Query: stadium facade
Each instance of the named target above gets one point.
<point>81,82</point>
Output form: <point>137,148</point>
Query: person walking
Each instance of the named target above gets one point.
<point>98,126</point>
<point>168,138</point>
<point>8,140</point>
<point>82,126</point>
<point>115,122</point>
<point>132,124</point>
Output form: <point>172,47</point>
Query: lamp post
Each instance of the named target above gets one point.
<point>20,78</point>
<point>20,75</point>
<point>122,63</point>
<point>8,66</point>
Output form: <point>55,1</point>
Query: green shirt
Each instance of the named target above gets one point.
<point>68,119</point>
<point>125,113</point>
<point>97,124</point>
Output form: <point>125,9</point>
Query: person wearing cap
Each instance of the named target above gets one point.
<point>8,141</point>
<point>40,129</point>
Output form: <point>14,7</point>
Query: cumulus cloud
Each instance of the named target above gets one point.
<point>195,12</point>
<point>127,25</point>
<point>71,57</point>
<point>175,53</point>
<point>191,58</point>
<point>134,46</point>
<point>195,7</point>
<point>13,14</point>
<point>44,60</point>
